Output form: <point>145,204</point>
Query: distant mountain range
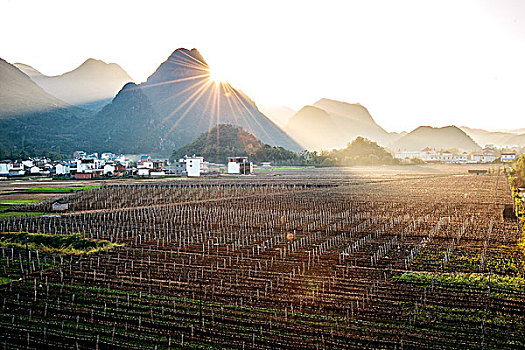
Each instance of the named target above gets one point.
<point>496,138</point>
<point>329,124</point>
<point>96,108</point>
<point>20,95</point>
<point>448,137</point>
<point>93,84</point>
<point>32,120</point>
<point>176,104</point>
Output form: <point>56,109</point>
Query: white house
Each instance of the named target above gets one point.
<point>62,169</point>
<point>35,170</point>
<point>108,156</point>
<point>4,168</point>
<point>508,157</point>
<point>144,166</point>
<point>109,169</point>
<point>191,166</point>
<point>477,157</point>
<point>60,205</point>
<point>447,156</point>
<point>87,165</point>
<point>143,171</point>
<point>460,158</point>
<point>239,165</point>
<point>407,154</point>
<point>16,169</point>
<point>28,163</point>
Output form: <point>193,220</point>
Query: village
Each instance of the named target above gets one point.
<point>489,154</point>
<point>85,166</point>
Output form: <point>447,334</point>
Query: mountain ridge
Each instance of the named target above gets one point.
<point>20,95</point>
<point>339,122</point>
<point>93,80</point>
<point>448,137</point>
<point>183,95</point>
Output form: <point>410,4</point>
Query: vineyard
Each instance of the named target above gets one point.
<point>311,261</point>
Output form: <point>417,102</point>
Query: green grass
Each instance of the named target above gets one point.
<point>18,201</point>
<point>464,280</point>
<point>73,244</point>
<point>57,189</point>
<point>16,214</point>
<point>4,280</point>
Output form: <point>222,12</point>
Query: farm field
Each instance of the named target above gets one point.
<point>333,258</point>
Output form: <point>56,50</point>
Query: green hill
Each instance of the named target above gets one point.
<point>361,151</point>
<point>226,140</point>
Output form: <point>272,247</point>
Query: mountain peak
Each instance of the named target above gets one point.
<point>190,57</point>
<point>92,61</point>
<point>437,137</point>
<point>182,93</point>
<point>340,107</point>
<point>182,63</point>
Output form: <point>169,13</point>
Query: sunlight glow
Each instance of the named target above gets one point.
<point>217,77</point>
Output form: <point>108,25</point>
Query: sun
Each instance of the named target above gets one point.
<point>216,77</point>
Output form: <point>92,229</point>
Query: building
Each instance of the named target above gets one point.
<point>86,165</point>
<point>190,166</point>
<point>62,169</point>
<point>5,165</point>
<point>146,167</point>
<point>88,168</point>
<point>34,170</point>
<point>477,157</point>
<point>83,176</point>
<point>404,154</point>
<point>109,169</point>
<point>144,159</point>
<point>239,165</point>
<point>508,157</point>
<point>16,169</point>
<point>143,171</point>
<point>114,169</point>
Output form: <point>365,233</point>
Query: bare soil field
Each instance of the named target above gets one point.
<point>357,258</point>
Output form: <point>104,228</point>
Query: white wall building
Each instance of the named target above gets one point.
<point>193,165</point>
<point>109,168</point>
<point>143,171</point>
<point>87,165</point>
<point>35,170</point>
<point>4,168</point>
<point>239,166</point>
<point>508,157</point>
<point>62,169</point>
<point>407,154</point>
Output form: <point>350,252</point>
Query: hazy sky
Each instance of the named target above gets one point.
<point>409,62</point>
